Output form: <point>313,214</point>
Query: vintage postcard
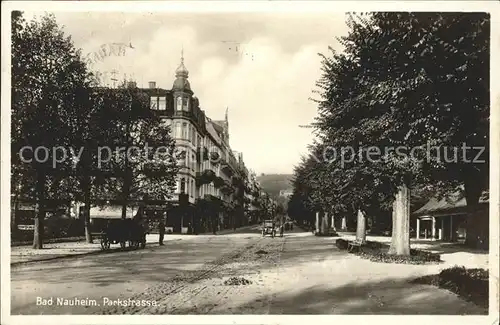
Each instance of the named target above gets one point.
<point>250,162</point>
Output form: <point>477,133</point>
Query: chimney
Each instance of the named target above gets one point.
<point>152,84</point>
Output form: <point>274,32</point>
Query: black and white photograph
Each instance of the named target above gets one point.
<point>268,159</point>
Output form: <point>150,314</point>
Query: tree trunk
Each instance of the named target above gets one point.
<point>317,222</point>
<point>324,223</point>
<point>361,227</point>
<point>86,211</point>
<point>127,178</point>
<point>477,225</point>
<point>400,242</point>
<point>343,227</point>
<point>125,195</point>
<point>40,212</point>
<point>14,215</point>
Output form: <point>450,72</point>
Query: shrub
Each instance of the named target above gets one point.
<point>328,234</point>
<point>374,245</point>
<point>341,244</point>
<point>470,284</point>
<point>418,257</point>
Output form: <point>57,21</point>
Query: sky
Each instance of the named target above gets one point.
<point>265,83</point>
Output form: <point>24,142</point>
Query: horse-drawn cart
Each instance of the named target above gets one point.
<point>123,231</point>
<point>110,228</point>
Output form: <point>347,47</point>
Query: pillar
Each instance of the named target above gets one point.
<point>441,231</point>
<point>333,223</point>
<point>451,229</point>
<point>344,224</point>
<point>418,228</point>
<point>433,229</point>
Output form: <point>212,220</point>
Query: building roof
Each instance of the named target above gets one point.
<point>181,76</point>
<point>453,203</point>
<point>181,84</point>
<point>210,126</point>
<point>218,126</point>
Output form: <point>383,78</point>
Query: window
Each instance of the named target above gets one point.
<point>200,144</point>
<point>183,185</point>
<point>193,162</point>
<point>162,103</point>
<point>181,159</point>
<point>179,103</point>
<point>178,130</point>
<point>184,131</point>
<point>192,188</point>
<point>185,104</point>
<point>154,102</point>
<point>193,136</point>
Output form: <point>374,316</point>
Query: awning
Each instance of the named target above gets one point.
<point>111,212</point>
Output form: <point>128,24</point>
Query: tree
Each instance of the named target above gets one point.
<point>141,157</point>
<point>395,86</point>
<point>47,77</point>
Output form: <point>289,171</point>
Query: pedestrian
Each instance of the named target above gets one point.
<point>161,230</point>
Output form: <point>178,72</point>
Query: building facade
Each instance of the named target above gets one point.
<point>210,171</point>
<point>445,219</point>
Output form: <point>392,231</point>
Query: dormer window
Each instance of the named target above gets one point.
<point>162,103</point>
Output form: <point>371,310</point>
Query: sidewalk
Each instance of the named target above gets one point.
<point>51,251</point>
<point>451,253</point>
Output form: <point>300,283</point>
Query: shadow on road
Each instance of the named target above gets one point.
<point>151,264</point>
<point>389,297</point>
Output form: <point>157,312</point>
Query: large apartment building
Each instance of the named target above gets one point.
<point>210,169</point>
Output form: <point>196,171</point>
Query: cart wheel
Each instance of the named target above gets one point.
<point>123,244</point>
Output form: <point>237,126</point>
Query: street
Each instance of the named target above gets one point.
<point>296,274</point>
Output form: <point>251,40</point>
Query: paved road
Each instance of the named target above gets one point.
<point>119,274</point>
<point>296,274</point>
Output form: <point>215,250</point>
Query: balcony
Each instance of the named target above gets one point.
<point>226,189</point>
<point>237,181</point>
<point>202,154</point>
<point>219,182</point>
<point>226,168</point>
<point>188,114</point>
<point>205,177</point>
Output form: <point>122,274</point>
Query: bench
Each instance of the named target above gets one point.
<point>352,245</point>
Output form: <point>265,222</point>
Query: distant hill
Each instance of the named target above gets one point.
<point>274,183</point>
